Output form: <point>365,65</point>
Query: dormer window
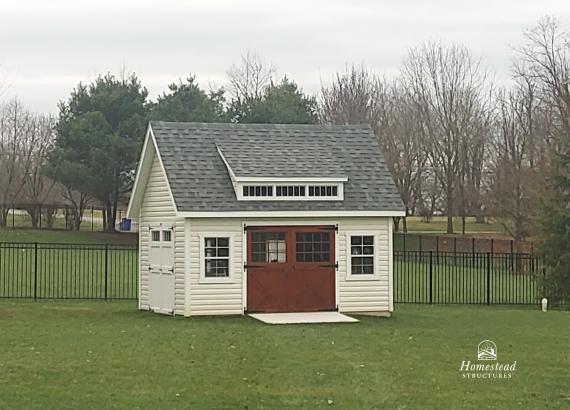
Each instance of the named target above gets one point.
<point>289,192</point>
<point>257,190</point>
<point>260,178</point>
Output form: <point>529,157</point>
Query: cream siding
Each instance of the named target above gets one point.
<point>228,297</point>
<point>365,295</point>
<point>157,207</point>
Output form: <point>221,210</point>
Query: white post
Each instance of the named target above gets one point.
<point>544,304</point>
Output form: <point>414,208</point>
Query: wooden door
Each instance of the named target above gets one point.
<point>290,268</point>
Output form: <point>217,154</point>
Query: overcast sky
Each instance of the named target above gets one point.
<point>47,47</point>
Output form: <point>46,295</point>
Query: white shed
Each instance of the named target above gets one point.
<point>239,218</point>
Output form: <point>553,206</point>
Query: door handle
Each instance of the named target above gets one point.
<point>330,265</point>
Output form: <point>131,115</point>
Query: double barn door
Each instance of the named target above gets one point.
<point>290,268</point>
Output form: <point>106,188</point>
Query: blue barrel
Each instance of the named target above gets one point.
<point>125,224</point>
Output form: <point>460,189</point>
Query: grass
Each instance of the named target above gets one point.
<point>438,224</point>
<point>91,221</point>
<point>463,279</point>
<point>68,271</point>
<point>61,236</point>
<point>109,355</point>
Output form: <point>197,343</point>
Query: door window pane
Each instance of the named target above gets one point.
<point>155,236</point>
<point>312,246</point>
<point>268,247</point>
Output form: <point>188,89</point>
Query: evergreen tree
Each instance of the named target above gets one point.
<point>99,137</point>
<point>186,101</point>
<point>556,230</point>
<point>282,103</point>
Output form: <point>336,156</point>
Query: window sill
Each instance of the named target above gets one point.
<point>362,277</point>
<point>216,280</point>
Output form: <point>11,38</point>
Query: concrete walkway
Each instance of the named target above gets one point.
<point>302,317</point>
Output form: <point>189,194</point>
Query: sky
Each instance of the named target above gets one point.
<point>48,47</point>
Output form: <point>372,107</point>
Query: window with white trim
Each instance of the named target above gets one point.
<point>257,190</point>
<point>216,257</point>
<point>361,255</point>
<point>290,191</point>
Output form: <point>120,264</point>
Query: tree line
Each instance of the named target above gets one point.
<point>455,142</point>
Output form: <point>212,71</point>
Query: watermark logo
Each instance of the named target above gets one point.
<point>487,350</point>
<point>490,368</point>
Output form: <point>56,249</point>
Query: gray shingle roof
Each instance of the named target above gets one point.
<point>199,179</point>
<point>294,156</point>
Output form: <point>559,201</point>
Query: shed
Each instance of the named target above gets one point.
<point>238,218</point>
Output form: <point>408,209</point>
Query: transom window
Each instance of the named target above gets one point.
<point>291,192</point>
<point>268,247</point>
<point>362,255</point>
<point>313,246</point>
<point>216,257</point>
<point>323,190</point>
<point>257,190</point>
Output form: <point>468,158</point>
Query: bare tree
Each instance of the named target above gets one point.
<point>352,98</point>
<point>450,93</point>
<point>17,139</point>
<point>359,96</point>
<point>514,182</point>
<point>37,186</point>
<point>400,139</point>
<point>545,59</point>
<point>249,79</point>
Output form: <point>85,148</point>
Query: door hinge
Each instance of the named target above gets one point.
<point>330,228</point>
<point>246,266</point>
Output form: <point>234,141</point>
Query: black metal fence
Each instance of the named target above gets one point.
<point>468,278</point>
<point>68,271</point>
<point>455,243</point>
<point>73,271</point>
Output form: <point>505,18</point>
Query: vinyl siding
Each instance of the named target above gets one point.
<point>365,295</point>
<point>157,207</point>
<point>228,297</point>
<point>223,298</point>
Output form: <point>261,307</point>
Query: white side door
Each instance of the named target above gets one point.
<point>161,266</point>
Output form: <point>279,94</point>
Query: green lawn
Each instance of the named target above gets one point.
<point>22,219</point>
<point>62,236</point>
<point>109,355</point>
<point>465,279</point>
<point>438,224</point>
<point>68,271</point>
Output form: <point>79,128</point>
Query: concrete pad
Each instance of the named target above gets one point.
<point>302,317</point>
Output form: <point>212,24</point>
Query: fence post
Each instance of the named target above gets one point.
<point>106,268</point>
<point>420,243</point>
<point>404,240</point>
<point>430,277</point>
<point>512,257</point>
<point>35,270</point>
<point>488,278</point>
<point>492,246</point>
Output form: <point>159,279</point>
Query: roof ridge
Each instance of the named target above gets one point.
<point>230,125</point>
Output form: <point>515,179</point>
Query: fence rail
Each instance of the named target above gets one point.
<point>449,243</point>
<point>468,278</point>
<point>68,271</point>
<point>64,271</point>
